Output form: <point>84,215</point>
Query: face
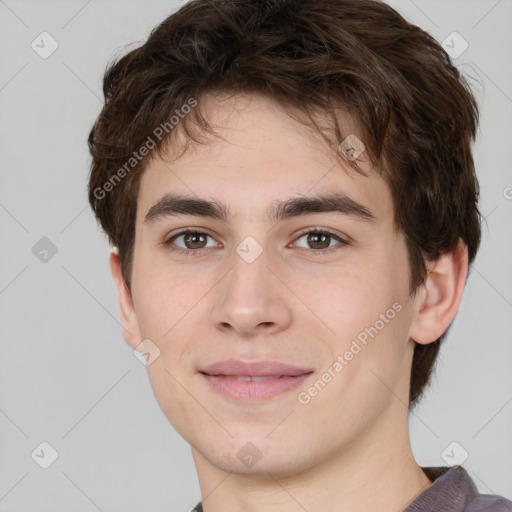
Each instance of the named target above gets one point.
<point>282,318</point>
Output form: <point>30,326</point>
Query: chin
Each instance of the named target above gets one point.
<point>257,456</point>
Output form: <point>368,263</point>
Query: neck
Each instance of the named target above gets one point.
<point>378,472</point>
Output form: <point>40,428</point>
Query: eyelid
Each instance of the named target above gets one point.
<point>183,231</point>
<point>318,229</point>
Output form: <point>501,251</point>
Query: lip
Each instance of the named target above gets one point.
<point>253,381</point>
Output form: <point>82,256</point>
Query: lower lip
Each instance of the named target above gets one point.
<point>251,391</point>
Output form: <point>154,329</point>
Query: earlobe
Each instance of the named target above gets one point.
<point>439,298</point>
<point>131,331</point>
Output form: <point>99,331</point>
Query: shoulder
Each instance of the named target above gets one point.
<point>489,503</point>
<point>453,490</point>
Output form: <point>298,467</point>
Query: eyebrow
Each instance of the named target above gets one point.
<point>172,205</point>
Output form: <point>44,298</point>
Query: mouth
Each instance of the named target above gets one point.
<point>255,381</point>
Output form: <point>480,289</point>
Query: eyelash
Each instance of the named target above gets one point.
<point>318,252</point>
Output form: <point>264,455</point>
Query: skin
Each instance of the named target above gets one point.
<point>350,444</point>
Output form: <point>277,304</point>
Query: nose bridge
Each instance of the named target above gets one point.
<point>251,298</point>
<point>249,285</point>
<point>250,271</point>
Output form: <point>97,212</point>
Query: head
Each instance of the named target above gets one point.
<point>250,104</point>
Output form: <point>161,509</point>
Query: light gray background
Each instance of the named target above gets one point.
<point>66,375</point>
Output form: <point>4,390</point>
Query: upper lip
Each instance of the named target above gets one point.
<point>254,369</point>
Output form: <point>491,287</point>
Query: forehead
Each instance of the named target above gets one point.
<point>260,155</point>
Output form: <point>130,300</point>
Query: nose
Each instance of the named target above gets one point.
<point>251,300</point>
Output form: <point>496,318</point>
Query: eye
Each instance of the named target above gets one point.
<point>189,241</point>
<point>319,240</point>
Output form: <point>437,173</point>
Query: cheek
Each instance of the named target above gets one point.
<point>352,299</point>
<point>379,367</point>
<point>162,299</point>
<point>172,397</point>
<point>168,315</point>
<point>367,308</point>
<point>370,369</point>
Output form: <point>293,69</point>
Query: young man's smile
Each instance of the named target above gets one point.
<point>254,380</point>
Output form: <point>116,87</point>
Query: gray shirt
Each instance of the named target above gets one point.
<point>452,490</point>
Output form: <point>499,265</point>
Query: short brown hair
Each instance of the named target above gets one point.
<point>417,116</point>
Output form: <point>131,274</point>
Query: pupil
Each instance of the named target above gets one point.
<point>319,238</point>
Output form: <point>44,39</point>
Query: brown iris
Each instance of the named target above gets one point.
<point>195,240</point>
<point>319,239</point>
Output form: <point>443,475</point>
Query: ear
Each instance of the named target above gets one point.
<point>438,299</point>
<point>131,331</point>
